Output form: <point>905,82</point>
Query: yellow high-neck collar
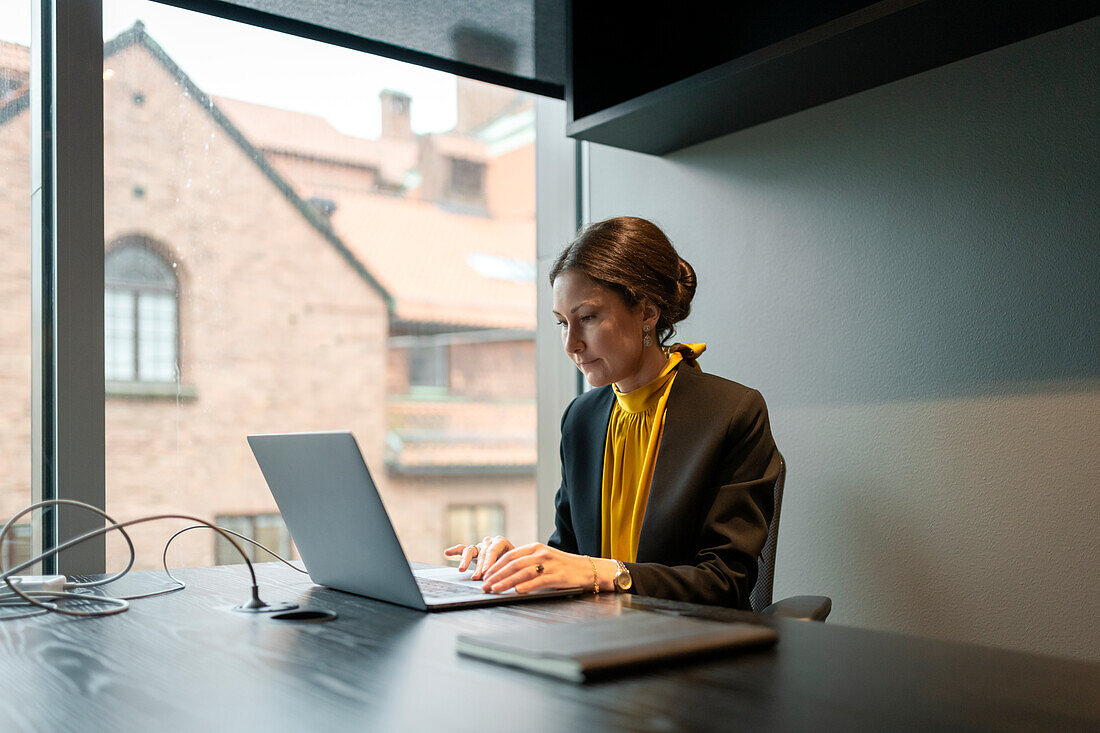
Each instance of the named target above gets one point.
<point>646,397</point>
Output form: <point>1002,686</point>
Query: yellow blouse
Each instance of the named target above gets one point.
<point>633,438</point>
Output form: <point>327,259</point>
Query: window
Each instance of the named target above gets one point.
<point>428,366</point>
<point>16,340</point>
<point>140,316</point>
<point>284,313</point>
<point>17,546</point>
<point>470,522</point>
<point>267,529</point>
<point>467,178</point>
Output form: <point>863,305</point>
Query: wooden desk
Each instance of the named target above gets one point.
<point>185,662</point>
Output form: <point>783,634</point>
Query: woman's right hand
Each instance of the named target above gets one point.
<point>485,552</point>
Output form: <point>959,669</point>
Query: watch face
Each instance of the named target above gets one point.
<point>622,579</point>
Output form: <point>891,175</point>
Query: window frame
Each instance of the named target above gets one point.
<point>472,508</point>
<point>246,524</point>
<point>460,172</point>
<point>439,353</point>
<point>68,447</point>
<point>138,384</point>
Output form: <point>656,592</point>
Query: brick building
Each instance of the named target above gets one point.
<point>265,272</point>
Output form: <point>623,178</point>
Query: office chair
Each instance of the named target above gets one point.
<point>806,608</point>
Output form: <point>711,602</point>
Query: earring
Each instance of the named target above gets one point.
<point>646,340</point>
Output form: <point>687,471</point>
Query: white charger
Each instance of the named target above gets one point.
<point>39,583</point>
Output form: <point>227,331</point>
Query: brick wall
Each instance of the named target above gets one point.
<point>494,370</point>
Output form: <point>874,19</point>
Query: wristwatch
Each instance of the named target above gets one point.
<point>622,578</point>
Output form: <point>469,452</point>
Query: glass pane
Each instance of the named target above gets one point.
<point>137,266</point>
<point>428,366</point>
<point>311,238</point>
<point>271,533</point>
<point>157,337</point>
<point>15,276</point>
<point>224,552</point>
<point>118,334</point>
<point>473,521</point>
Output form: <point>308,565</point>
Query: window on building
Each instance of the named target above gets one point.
<point>467,178</point>
<point>267,529</point>
<point>467,523</point>
<point>429,367</point>
<point>140,316</point>
<point>17,546</point>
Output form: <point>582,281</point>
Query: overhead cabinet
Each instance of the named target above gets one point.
<point>656,78</point>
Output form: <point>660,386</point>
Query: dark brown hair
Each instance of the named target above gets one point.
<point>634,258</point>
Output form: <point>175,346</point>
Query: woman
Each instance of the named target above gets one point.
<point>667,472</point>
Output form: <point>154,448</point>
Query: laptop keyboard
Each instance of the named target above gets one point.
<point>439,589</point>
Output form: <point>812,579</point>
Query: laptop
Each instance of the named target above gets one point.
<point>336,518</point>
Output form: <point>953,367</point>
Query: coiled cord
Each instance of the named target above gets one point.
<point>117,604</point>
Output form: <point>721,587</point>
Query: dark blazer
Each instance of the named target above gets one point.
<point>711,499</point>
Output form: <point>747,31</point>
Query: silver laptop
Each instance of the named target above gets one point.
<point>344,536</point>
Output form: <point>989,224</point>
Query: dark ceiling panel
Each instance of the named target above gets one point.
<point>516,43</point>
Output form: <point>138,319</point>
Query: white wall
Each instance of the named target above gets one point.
<point>910,276</point>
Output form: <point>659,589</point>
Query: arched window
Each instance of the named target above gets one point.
<point>140,321</point>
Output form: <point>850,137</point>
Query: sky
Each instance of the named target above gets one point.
<point>243,62</point>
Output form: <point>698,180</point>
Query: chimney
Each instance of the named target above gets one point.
<point>395,114</point>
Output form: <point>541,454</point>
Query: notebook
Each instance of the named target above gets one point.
<point>335,516</point>
<point>581,651</point>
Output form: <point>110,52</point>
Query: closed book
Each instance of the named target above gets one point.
<point>580,651</point>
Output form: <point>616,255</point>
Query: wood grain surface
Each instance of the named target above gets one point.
<point>186,662</point>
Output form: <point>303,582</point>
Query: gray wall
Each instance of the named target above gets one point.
<point>909,275</point>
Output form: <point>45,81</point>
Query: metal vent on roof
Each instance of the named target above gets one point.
<point>496,267</point>
<point>324,205</point>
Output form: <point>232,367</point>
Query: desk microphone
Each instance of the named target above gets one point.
<point>258,606</point>
<point>255,605</point>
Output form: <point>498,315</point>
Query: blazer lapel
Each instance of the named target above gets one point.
<point>588,478</point>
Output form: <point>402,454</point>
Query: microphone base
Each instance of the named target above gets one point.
<point>265,608</point>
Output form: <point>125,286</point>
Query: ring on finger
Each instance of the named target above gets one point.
<point>539,569</point>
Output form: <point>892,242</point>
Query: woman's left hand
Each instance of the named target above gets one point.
<point>536,566</point>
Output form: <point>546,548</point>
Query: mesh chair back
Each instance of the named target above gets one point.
<point>761,595</point>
